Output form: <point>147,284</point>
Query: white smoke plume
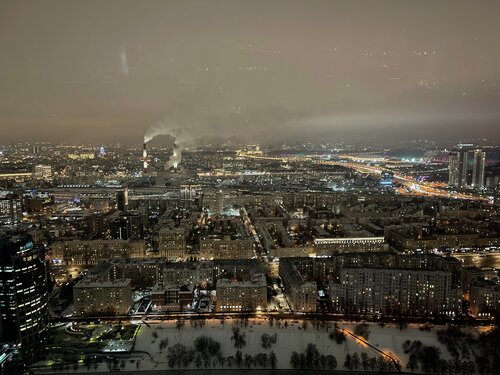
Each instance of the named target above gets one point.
<point>164,128</point>
<point>180,135</point>
<point>176,157</point>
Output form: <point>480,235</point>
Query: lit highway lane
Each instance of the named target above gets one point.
<point>408,182</point>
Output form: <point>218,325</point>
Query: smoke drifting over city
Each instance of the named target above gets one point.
<point>259,71</point>
<point>177,132</point>
<point>180,135</point>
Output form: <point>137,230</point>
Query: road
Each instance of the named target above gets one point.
<point>222,371</point>
<point>413,186</point>
<point>490,260</point>
<point>281,315</point>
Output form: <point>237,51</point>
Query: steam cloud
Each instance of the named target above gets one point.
<point>176,157</point>
<point>181,138</point>
<point>164,128</point>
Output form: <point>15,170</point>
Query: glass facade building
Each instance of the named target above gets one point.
<point>23,295</point>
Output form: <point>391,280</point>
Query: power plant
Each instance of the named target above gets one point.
<point>173,161</point>
<point>145,158</point>
<point>180,135</point>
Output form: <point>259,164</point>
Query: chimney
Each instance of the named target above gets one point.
<point>145,158</point>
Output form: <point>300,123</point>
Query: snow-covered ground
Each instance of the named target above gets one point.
<point>293,338</point>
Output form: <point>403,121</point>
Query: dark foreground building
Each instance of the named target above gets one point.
<point>23,296</point>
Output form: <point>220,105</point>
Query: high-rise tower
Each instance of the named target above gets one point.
<point>122,199</point>
<point>462,174</point>
<point>23,295</point>
<point>128,225</point>
<point>458,169</point>
<point>478,169</point>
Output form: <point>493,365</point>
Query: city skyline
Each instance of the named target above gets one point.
<point>275,186</point>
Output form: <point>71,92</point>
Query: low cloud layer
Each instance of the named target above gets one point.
<point>258,71</point>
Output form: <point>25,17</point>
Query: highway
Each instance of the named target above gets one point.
<point>229,371</point>
<point>412,186</point>
<point>278,315</point>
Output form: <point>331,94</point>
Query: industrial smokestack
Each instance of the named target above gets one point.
<point>145,158</point>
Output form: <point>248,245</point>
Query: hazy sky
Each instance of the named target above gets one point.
<point>106,70</point>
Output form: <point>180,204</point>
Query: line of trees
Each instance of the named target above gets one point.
<point>380,363</point>
<point>428,359</point>
<point>470,353</point>
<point>206,353</point>
<point>268,340</point>
<point>311,359</point>
<point>488,353</point>
<point>263,360</point>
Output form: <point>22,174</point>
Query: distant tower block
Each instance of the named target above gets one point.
<point>122,199</point>
<point>478,169</point>
<point>188,192</point>
<point>460,168</point>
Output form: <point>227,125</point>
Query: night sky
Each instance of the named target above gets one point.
<point>106,71</point>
